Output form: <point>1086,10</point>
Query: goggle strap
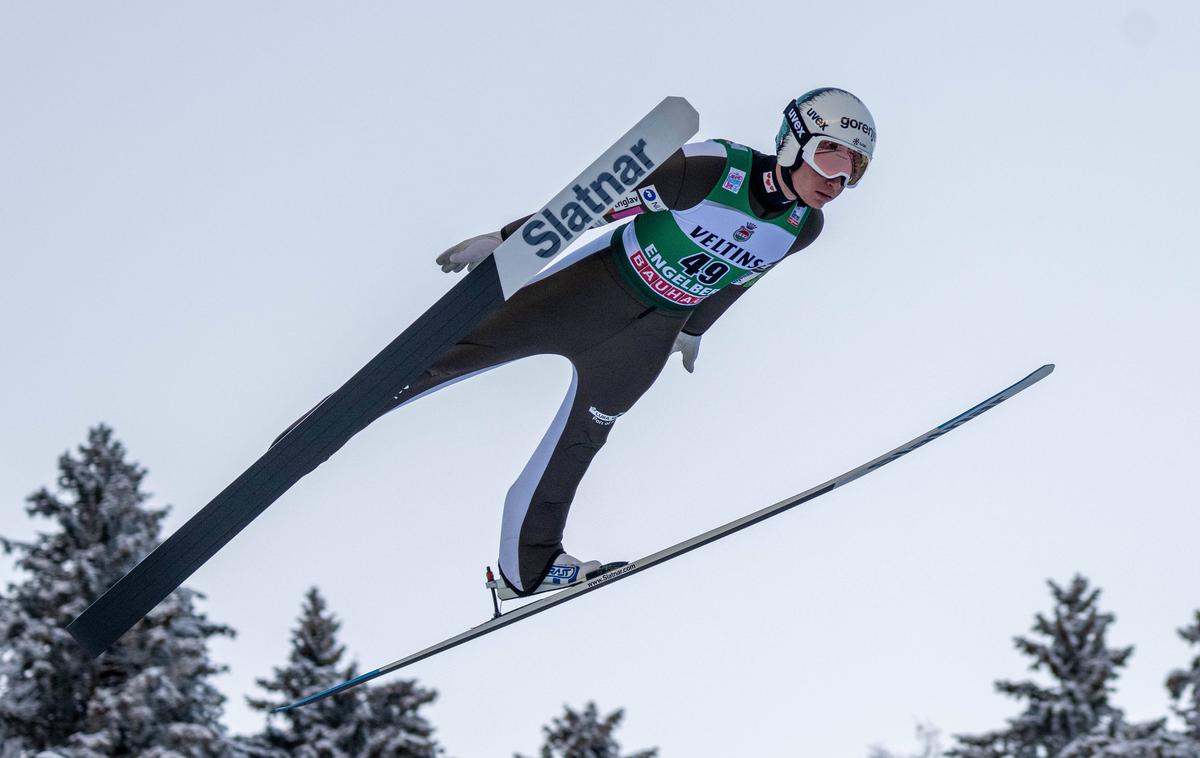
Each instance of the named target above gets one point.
<point>795,123</point>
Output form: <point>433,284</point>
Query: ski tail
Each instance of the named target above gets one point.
<point>322,433</point>
<point>624,571</point>
<point>370,392</point>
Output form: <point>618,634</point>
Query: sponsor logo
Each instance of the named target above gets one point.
<point>650,198</point>
<point>816,117</point>
<point>738,146</point>
<point>733,181</point>
<point>614,574</point>
<point>603,419</point>
<point>769,181</point>
<point>795,217</point>
<point>862,126</point>
<point>560,574</point>
<point>661,286</point>
<point>724,248</point>
<point>630,204</point>
<point>559,223</point>
<point>627,201</point>
<point>793,117</point>
<point>744,231</point>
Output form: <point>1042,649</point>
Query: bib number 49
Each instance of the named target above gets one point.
<point>704,268</point>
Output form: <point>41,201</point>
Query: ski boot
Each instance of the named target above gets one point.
<point>566,571</point>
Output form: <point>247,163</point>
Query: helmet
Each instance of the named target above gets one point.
<point>830,130</point>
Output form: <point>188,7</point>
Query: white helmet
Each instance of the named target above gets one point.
<point>830,130</point>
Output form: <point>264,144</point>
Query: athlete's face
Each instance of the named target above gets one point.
<point>814,189</point>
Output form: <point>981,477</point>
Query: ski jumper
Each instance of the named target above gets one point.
<point>706,224</point>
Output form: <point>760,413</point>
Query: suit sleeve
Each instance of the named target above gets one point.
<point>713,307</point>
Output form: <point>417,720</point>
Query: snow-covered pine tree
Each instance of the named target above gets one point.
<point>584,734</point>
<point>368,721</point>
<point>1184,684</point>
<point>1072,648</point>
<point>1118,739</point>
<point>150,695</point>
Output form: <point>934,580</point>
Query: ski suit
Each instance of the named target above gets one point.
<point>614,309</point>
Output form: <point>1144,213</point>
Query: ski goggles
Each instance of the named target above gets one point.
<point>833,159</point>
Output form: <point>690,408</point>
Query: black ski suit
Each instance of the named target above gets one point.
<point>617,339</point>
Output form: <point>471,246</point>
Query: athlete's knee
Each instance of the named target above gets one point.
<point>590,431</point>
<point>601,421</point>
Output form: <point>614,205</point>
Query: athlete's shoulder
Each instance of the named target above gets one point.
<point>758,156</point>
<point>816,219</point>
<point>701,167</point>
<point>709,148</point>
<point>715,148</point>
<point>814,222</point>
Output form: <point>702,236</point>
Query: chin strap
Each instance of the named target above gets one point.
<point>786,173</point>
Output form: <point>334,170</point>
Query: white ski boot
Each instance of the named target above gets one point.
<point>566,571</point>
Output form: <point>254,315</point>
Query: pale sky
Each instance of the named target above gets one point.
<point>211,216</point>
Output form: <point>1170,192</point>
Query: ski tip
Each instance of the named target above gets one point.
<point>1034,377</point>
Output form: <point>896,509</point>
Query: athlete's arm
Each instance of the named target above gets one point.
<point>714,306</point>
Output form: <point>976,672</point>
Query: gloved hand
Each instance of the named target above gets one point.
<point>468,253</point>
<point>689,346</point>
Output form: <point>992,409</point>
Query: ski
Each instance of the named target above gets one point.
<point>582,588</point>
<point>339,417</point>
